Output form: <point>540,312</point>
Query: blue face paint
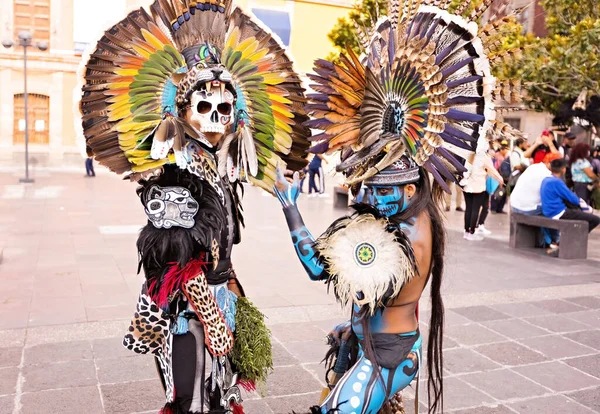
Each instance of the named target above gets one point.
<point>388,200</point>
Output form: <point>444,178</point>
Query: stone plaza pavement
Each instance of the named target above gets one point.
<point>522,332</point>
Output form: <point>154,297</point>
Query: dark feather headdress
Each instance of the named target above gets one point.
<point>422,88</point>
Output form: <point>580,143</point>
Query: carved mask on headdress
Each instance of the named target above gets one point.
<point>207,90</point>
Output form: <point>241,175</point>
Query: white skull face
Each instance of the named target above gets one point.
<point>212,107</point>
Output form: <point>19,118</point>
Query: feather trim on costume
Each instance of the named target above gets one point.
<point>382,260</point>
<point>160,249</point>
<point>174,280</point>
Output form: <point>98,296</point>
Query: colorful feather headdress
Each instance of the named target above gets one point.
<point>422,88</point>
<point>143,69</point>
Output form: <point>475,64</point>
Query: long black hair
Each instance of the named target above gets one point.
<point>428,198</point>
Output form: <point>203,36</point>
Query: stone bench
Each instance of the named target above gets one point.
<point>524,232</point>
<point>340,197</point>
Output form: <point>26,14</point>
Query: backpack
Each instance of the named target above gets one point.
<point>505,169</point>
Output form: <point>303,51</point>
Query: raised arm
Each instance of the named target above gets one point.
<point>303,241</point>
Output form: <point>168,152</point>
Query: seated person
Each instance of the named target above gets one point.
<point>525,197</point>
<point>558,202</point>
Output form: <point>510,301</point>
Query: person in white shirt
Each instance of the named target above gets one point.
<point>476,197</point>
<point>525,197</point>
<point>519,158</point>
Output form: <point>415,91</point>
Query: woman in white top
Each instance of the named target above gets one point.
<point>477,199</point>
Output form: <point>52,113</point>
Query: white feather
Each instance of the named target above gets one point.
<point>250,151</point>
<point>391,267</point>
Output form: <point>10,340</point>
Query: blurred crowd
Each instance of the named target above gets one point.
<point>559,181</point>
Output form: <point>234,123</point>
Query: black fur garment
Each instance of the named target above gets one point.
<point>159,249</point>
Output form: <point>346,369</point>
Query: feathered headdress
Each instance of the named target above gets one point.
<point>422,88</point>
<point>144,68</point>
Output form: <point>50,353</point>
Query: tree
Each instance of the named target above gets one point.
<point>558,67</point>
<point>363,14</point>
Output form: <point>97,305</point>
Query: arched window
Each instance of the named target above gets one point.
<point>39,118</point>
<point>33,16</point>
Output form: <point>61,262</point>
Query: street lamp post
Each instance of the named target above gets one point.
<point>25,41</point>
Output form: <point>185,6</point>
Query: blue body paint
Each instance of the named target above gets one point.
<point>304,245</point>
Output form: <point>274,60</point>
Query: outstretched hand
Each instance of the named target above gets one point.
<point>287,192</point>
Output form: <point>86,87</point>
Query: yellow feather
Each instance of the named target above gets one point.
<point>128,126</point>
<point>282,110</point>
<point>283,126</point>
<point>127,72</point>
<point>248,47</point>
<point>279,98</point>
<point>273,78</point>
<point>234,38</point>
<point>119,85</point>
<point>152,40</point>
<point>145,165</point>
<point>141,51</point>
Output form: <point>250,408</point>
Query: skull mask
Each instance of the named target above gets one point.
<point>212,107</point>
<point>171,206</point>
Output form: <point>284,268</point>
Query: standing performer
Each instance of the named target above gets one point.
<point>416,109</point>
<point>191,101</point>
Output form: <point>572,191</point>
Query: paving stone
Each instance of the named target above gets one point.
<point>293,332</point>
<point>499,409</point>
<point>297,403</point>
<point>110,348</point>
<point>63,316</point>
<point>448,342</point>
<point>472,334</point>
<point>452,318</point>
<point>590,398</point>
<point>60,375</point>
<point>510,353</point>
<point>59,352</point>
<point>256,407</point>
<point>12,337</point>
<point>10,357</point>
<point>308,351</point>
<point>459,394</point>
<point>281,357</point>
<point>481,313</point>
<point>290,380</point>
<point>132,397</point>
<point>317,370</point>
<point>515,328</point>
<point>7,404</point>
<point>14,319</point>
<point>590,317</point>
<point>558,376</point>
<point>589,338</point>
<point>102,313</point>
<point>556,346</point>
<point>557,323</point>
<point>460,360</point>
<point>65,401</point>
<point>589,364</point>
<point>551,404</point>
<point>504,384</point>
<point>8,380</point>
<point>520,309</point>
<point>127,369</point>
<point>558,306</point>
<point>591,302</point>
